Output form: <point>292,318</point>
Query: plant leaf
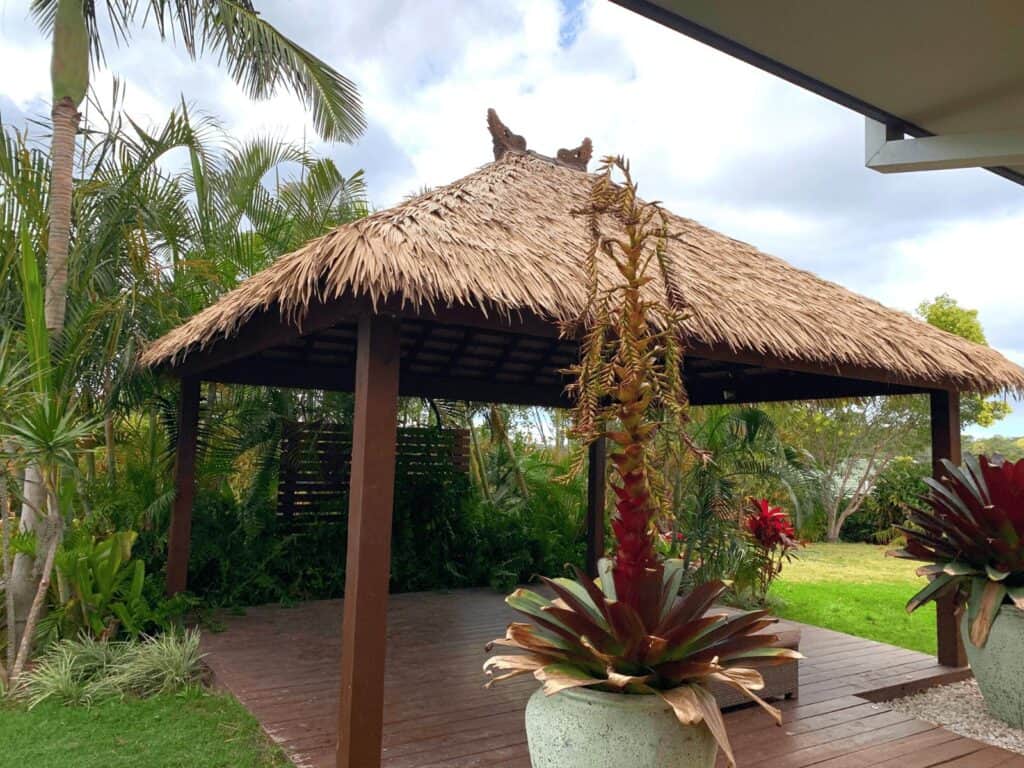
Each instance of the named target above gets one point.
<point>561,677</point>
<point>983,607</point>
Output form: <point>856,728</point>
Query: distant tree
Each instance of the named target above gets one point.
<point>1010,448</point>
<point>944,312</point>
<point>851,442</point>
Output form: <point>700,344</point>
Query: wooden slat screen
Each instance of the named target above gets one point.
<point>316,458</point>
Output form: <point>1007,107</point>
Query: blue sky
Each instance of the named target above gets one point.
<point>714,139</point>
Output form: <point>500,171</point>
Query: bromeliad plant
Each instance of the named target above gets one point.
<point>630,631</point>
<point>971,535</point>
<point>776,541</point>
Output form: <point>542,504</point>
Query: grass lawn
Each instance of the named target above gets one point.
<point>190,730</point>
<point>854,588</point>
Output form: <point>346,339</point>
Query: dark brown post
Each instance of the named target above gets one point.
<point>368,563</point>
<point>595,504</point>
<point>945,408</point>
<point>180,535</point>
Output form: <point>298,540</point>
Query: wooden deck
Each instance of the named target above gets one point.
<point>282,664</point>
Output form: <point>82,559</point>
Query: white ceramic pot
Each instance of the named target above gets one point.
<point>581,728</point>
<point>999,666</point>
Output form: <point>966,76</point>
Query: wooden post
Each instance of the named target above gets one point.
<point>368,564</point>
<point>180,535</point>
<point>595,504</point>
<point>945,419</point>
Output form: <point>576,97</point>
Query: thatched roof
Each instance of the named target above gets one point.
<point>504,238</point>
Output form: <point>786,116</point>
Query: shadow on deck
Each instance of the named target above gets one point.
<point>283,665</point>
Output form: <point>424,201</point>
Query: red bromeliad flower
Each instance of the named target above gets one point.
<point>770,526</point>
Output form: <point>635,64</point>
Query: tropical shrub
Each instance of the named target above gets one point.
<point>970,534</point>
<point>630,632</point>
<point>99,588</point>
<point>896,490</point>
<point>748,458</point>
<point>444,535</point>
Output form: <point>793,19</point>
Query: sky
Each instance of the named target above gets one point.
<point>711,137</point>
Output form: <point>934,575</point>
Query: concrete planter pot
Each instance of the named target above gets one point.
<point>580,728</point>
<point>999,666</point>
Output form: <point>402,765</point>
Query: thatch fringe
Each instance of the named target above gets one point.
<point>505,237</point>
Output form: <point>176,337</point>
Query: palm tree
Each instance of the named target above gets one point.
<point>748,457</point>
<point>258,57</point>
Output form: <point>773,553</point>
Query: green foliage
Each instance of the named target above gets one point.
<point>896,491</point>
<point>85,671</point>
<point>516,537</point>
<point>99,588</point>
<point>944,312</point>
<point>748,458</point>
<point>444,535</point>
<point>1010,448</point>
<point>256,55</point>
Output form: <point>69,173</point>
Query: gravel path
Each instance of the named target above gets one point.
<point>960,708</point>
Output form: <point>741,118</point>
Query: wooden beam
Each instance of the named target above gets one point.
<point>596,489</point>
<point>180,535</point>
<point>298,375</point>
<point>368,562</point>
<point>764,385</point>
<point>945,420</point>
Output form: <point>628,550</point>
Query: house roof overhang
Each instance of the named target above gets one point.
<point>920,68</point>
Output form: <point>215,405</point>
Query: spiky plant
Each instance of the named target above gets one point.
<point>630,632</point>
<point>628,383</point>
<point>970,534</point>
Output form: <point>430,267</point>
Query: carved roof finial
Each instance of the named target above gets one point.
<point>576,158</point>
<point>503,138</point>
<point>506,141</point>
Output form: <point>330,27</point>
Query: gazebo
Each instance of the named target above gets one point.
<point>459,293</point>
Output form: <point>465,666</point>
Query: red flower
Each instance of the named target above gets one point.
<point>770,526</point>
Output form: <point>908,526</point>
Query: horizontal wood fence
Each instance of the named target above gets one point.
<point>316,459</point>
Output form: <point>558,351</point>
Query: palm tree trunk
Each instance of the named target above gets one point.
<point>8,522</point>
<point>108,439</point>
<point>22,584</point>
<point>62,156</point>
<point>24,576</point>
<point>478,458</point>
<point>499,432</point>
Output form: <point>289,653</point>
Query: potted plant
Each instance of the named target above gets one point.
<point>623,659</point>
<point>970,534</point>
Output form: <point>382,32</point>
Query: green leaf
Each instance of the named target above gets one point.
<point>995,574</point>
<point>671,580</point>
<point>604,572</point>
<point>957,568</point>
<point>37,338</point>
<point>1017,595</point>
<point>935,588</point>
<point>138,581</point>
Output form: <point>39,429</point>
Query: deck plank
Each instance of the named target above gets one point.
<point>283,665</point>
